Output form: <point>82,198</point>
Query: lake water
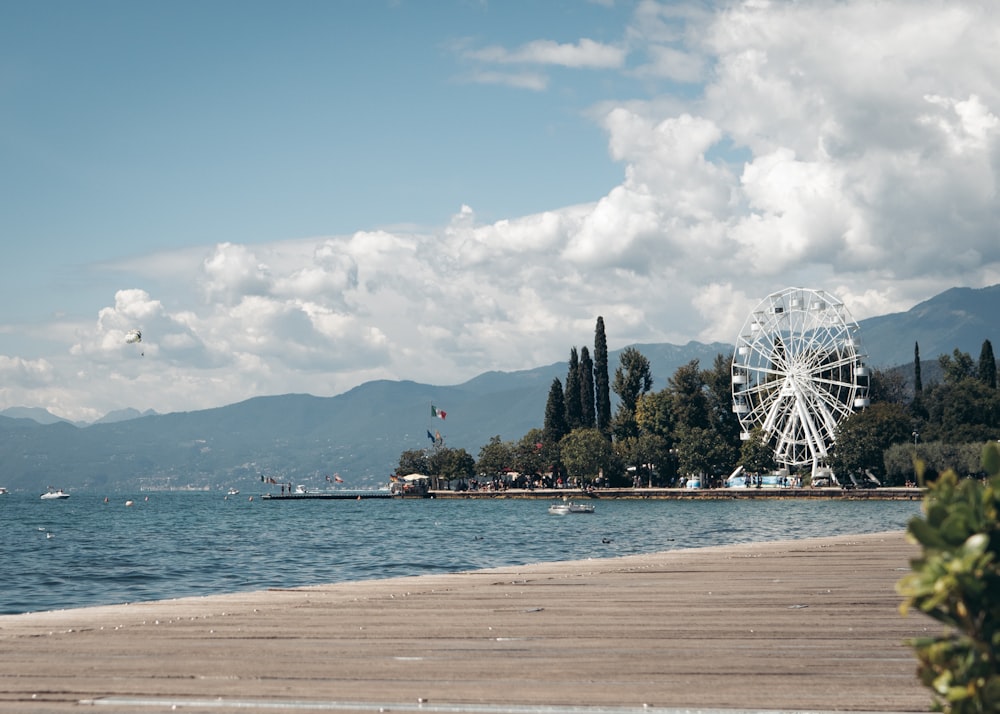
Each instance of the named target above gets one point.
<point>81,551</point>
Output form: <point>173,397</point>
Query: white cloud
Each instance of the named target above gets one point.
<point>233,271</point>
<point>585,53</point>
<point>518,80</point>
<point>25,373</point>
<point>844,146</point>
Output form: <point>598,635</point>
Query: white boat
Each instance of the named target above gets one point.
<point>55,493</point>
<point>233,492</point>
<point>3,491</point>
<point>567,507</point>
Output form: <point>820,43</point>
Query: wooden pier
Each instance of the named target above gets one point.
<point>796,626</point>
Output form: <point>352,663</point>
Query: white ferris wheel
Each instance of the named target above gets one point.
<point>797,372</point>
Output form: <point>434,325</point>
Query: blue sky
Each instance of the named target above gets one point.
<point>305,196</point>
<point>135,127</point>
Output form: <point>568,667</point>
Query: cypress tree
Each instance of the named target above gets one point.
<point>587,414</point>
<point>988,365</point>
<point>918,385</point>
<point>554,428</point>
<point>602,385</point>
<point>572,392</point>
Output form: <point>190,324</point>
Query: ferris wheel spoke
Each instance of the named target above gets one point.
<point>810,433</point>
<point>775,411</point>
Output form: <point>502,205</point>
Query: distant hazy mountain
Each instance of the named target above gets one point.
<point>123,415</point>
<point>300,438</point>
<point>959,317</point>
<point>42,416</point>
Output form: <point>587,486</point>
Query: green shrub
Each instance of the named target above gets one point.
<point>956,581</point>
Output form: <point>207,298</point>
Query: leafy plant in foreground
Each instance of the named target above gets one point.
<point>956,581</point>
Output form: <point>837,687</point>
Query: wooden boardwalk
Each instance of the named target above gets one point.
<point>809,625</point>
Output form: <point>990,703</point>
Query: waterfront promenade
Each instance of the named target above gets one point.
<point>810,625</point>
<point>690,494</point>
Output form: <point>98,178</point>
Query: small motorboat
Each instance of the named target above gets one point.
<point>54,493</point>
<point>567,507</point>
<point>233,492</point>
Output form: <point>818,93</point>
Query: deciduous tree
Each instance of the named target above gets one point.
<point>961,411</point>
<point>887,386</point>
<point>957,367</point>
<point>413,461</point>
<point>757,454</point>
<point>688,403</point>
<point>633,378</point>
<point>495,458</point>
<point>586,454</point>
<point>702,451</point>
<point>719,401</point>
<point>862,438</point>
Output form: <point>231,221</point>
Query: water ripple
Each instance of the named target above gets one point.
<point>82,552</point>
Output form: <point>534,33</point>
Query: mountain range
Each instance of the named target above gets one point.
<point>360,434</point>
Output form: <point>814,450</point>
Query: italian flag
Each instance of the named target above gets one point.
<point>439,413</point>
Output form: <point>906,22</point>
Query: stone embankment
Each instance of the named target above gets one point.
<point>710,494</point>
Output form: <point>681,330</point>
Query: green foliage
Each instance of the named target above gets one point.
<point>956,581</point>
<point>887,386</point>
<point>642,452</point>
<point>719,399</point>
<point>653,414</point>
<point>451,464</point>
<point>935,457</point>
<point>633,378</point>
<point>706,453</point>
<point>918,383</point>
<point>574,407</point>
<point>961,410</point>
<point>757,454</point>
<point>688,401</point>
<point>586,453</point>
<point>532,455</point>
<point>554,426</point>
<point>588,415</point>
<point>862,438</point>
<point>413,461</point>
<point>495,458</point>
<point>602,386</point>
<point>957,367</point>
<point>987,371</point>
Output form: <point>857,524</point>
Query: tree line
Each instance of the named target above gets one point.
<point>943,424</point>
<point>687,428</point>
<point>651,438</point>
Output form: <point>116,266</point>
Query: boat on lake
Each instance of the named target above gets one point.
<point>340,494</point>
<point>567,507</point>
<point>54,493</point>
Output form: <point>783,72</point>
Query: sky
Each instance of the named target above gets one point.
<point>302,197</point>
